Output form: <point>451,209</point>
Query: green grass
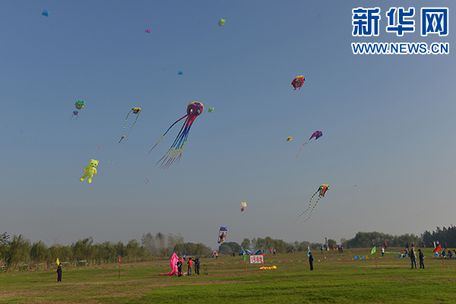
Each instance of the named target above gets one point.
<point>336,279</point>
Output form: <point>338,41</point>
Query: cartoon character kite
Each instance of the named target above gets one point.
<point>298,82</point>
<point>223,231</point>
<point>243,206</point>
<point>135,111</point>
<point>90,171</point>
<point>194,109</point>
<point>315,135</point>
<point>312,204</point>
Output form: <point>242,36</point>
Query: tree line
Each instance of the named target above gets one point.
<point>16,252</point>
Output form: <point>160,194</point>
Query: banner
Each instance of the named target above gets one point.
<point>256,259</point>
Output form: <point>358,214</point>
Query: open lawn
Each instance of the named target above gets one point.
<point>336,279</point>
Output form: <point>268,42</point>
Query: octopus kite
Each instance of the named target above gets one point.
<point>194,109</point>
<point>298,82</point>
<point>312,204</point>
<point>315,135</point>
<point>135,111</point>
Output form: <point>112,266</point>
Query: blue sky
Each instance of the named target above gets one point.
<point>388,121</point>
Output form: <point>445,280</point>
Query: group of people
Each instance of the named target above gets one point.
<point>191,264</point>
<point>412,255</point>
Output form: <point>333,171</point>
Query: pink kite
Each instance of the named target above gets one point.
<point>173,265</point>
<point>148,30</point>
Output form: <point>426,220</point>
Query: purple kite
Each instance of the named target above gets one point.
<point>194,109</point>
<point>148,31</point>
<point>315,135</point>
<point>173,265</point>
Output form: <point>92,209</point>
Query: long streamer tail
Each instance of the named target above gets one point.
<point>309,206</point>
<point>166,132</point>
<point>177,148</point>
<point>301,148</point>
<point>311,210</point>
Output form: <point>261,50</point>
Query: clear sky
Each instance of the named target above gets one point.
<point>388,147</point>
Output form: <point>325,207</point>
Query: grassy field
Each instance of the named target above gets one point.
<point>336,279</point>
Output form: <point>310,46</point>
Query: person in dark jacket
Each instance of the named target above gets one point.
<point>59,273</point>
<point>311,261</point>
<point>179,267</point>
<point>421,257</point>
<point>197,266</point>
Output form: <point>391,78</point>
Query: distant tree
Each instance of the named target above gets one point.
<point>246,244</point>
<point>39,252</point>
<point>82,249</point>
<point>229,248</point>
<point>192,249</point>
<point>4,243</point>
<point>148,242</point>
<point>18,251</point>
<point>63,253</point>
<point>332,243</point>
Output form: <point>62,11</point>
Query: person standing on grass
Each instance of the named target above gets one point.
<point>59,273</point>
<point>421,257</point>
<point>190,265</point>
<point>412,258</point>
<point>179,267</point>
<point>311,261</point>
<point>197,266</point>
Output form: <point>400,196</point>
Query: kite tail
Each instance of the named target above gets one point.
<point>128,115</point>
<point>177,148</point>
<point>300,149</point>
<point>164,134</point>
<point>311,210</point>
<point>310,205</point>
<point>130,127</point>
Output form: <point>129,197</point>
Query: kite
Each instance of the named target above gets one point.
<point>289,138</point>
<point>45,13</point>
<point>147,30</point>
<point>194,109</point>
<point>298,82</point>
<point>90,171</point>
<point>223,231</point>
<point>243,206</point>
<point>315,135</point>
<point>173,265</point>
<point>221,22</point>
<point>312,204</point>
<point>136,111</point>
<point>180,73</point>
<point>210,109</point>
<point>268,267</point>
<point>79,105</point>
